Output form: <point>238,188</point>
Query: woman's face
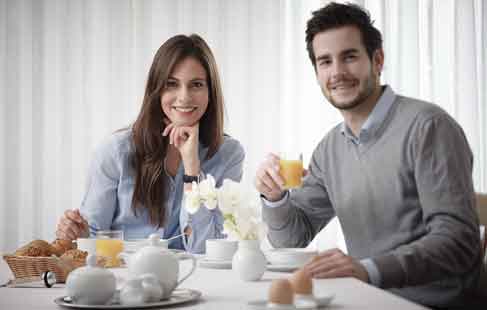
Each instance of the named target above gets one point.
<point>185,96</point>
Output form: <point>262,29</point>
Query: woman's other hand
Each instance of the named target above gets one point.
<point>72,226</point>
<point>185,139</point>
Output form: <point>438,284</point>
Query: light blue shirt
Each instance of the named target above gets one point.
<point>107,203</point>
<point>375,119</point>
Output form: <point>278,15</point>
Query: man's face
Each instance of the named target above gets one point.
<point>344,71</point>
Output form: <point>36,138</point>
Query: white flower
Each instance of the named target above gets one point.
<point>192,199</point>
<point>208,192</point>
<point>229,196</point>
<point>241,212</point>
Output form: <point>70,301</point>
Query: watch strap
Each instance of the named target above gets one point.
<point>191,178</point>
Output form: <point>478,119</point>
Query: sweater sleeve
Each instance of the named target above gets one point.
<point>304,213</point>
<point>443,173</point>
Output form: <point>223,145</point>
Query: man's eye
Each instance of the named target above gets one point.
<point>325,62</point>
<point>350,57</point>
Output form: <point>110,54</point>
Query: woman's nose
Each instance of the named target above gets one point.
<point>183,95</point>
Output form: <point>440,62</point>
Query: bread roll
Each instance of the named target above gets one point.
<point>76,255</point>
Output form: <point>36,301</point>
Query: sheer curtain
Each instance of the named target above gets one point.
<point>72,72</point>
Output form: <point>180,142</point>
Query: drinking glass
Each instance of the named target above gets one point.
<point>291,168</point>
<point>109,243</point>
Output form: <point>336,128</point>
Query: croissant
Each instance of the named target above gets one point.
<point>60,246</point>
<point>36,248</point>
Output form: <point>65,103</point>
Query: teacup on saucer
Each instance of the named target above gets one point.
<point>220,249</point>
<point>296,257</point>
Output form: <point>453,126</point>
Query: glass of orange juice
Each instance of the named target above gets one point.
<point>291,169</point>
<point>109,243</point>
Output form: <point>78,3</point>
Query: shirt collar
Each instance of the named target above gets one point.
<point>375,119</point>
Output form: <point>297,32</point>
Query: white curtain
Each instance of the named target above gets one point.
<point>72,72</point>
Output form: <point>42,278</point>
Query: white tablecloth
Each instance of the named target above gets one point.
<point>222,289</point>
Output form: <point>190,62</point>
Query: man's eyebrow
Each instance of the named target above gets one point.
<point>323,57</point>
<point>350,51</point>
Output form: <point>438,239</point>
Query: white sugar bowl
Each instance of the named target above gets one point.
<point>91,285</point>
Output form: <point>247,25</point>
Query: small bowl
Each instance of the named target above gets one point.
<point>91,285</point>
<point>290,256</point>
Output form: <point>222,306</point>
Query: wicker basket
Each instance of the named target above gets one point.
<point>25,267</point>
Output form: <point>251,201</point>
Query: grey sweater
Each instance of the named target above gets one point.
<point>404,198</point>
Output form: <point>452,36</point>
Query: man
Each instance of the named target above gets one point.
<point>396,172</point>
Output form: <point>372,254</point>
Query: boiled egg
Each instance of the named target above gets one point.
<point>301,282</point>
<point>281,292</point>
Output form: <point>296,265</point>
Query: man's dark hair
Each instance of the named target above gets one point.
<point>335,15</point>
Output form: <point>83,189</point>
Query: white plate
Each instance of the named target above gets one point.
<point>215,264</point>
<point>179,296</point>
<point>322,302</point>
<point>282,268</point>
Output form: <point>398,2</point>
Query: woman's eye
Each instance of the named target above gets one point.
<point>198,84</point>
<point>171,84</point>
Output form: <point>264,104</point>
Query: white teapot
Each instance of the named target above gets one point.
<point>160,262</point>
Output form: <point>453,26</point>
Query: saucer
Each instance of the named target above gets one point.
<point>282,267</point>
<point>215,264</point>
<point>322,301</point>
<point>179,296</point>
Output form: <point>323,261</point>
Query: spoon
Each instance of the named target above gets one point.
<point>177,236</point>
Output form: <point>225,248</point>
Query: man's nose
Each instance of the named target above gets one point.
<point>338,68</point>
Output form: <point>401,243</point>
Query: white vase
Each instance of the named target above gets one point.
<point>249,262</point>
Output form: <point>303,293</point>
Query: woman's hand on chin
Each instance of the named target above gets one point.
<point>185,139</point>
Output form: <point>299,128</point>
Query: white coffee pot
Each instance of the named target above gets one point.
<point>159,261</point>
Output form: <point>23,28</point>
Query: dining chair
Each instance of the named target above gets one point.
<point>481,200</point>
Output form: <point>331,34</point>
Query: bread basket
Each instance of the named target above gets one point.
<point>27,267</point>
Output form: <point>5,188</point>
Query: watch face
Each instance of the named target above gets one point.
<point>190,178</point>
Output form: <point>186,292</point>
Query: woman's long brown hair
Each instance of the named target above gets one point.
<point>150,189</point>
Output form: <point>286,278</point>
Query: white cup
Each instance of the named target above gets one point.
<point>133,245</point>
<point>290,256</point>
<point>87,244</point>
<point>220,249</point>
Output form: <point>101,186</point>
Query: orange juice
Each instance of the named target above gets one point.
<point>109,248</point>
<point>292,172</point>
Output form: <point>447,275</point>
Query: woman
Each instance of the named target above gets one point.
<point>138,176</point>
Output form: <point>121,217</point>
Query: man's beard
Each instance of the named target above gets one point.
<point>359,99</point>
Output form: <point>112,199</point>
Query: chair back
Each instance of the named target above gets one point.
<point>482,207</point>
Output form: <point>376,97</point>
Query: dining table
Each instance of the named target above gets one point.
<point>220,289</point>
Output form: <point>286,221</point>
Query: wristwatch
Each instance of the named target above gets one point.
<point>191,178</point>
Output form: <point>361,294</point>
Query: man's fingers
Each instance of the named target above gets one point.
<point>338,272</point>
<point>260,186</point>
<point>325,258</point>
<point>266,179</point>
